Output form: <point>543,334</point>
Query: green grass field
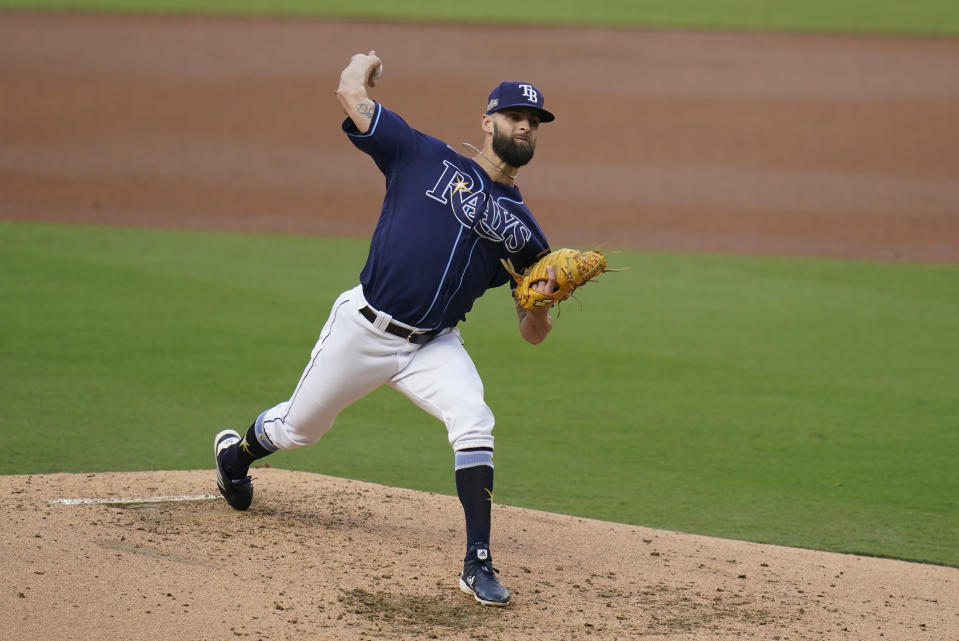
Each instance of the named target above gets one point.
<point>801,402</point>
<point>919,17</point>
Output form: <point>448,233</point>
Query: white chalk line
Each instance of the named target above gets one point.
<point>146,499</point>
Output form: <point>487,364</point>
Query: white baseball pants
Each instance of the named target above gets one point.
<point>353,356</point>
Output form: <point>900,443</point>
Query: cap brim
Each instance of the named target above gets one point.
<point>545,116</point>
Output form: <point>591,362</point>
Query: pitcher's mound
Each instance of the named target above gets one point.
<point>157,556</point>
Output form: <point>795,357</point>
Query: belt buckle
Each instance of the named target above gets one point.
<point>426,336</point>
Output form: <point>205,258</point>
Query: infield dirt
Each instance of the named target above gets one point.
<point>799,145</point>
<point>318,557</point>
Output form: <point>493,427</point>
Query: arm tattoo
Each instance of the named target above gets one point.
<point>365,110</point>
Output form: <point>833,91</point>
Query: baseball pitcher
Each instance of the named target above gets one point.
<point>451,227</point>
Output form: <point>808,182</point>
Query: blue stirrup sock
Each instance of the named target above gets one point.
<point>474,485</point>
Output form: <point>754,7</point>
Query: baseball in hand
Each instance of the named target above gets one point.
<point>375,73</point>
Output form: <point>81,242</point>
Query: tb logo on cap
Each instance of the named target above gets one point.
<point>529,92</point>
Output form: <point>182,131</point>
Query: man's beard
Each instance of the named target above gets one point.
<point>514,154</point>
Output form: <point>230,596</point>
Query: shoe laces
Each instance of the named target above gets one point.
<point>486,565</point>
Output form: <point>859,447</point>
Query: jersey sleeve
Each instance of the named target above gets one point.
<point>387,141</point>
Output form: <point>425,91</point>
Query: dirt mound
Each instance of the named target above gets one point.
<point>326,558</point>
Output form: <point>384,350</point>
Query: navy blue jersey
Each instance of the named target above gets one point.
<point>443,228</point>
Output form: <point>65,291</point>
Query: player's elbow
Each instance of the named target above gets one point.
<point>534,339</point>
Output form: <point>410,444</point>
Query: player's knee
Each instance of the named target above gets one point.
<point>472,428</point>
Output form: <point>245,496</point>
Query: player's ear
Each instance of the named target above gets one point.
<point>487,124</point>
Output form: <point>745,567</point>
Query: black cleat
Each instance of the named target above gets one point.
<point>479,578</point>
<point>237,492</point>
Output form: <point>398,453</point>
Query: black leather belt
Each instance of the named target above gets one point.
<point>416,336</point>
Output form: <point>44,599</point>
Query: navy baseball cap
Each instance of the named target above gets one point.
<point>518,94</point>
